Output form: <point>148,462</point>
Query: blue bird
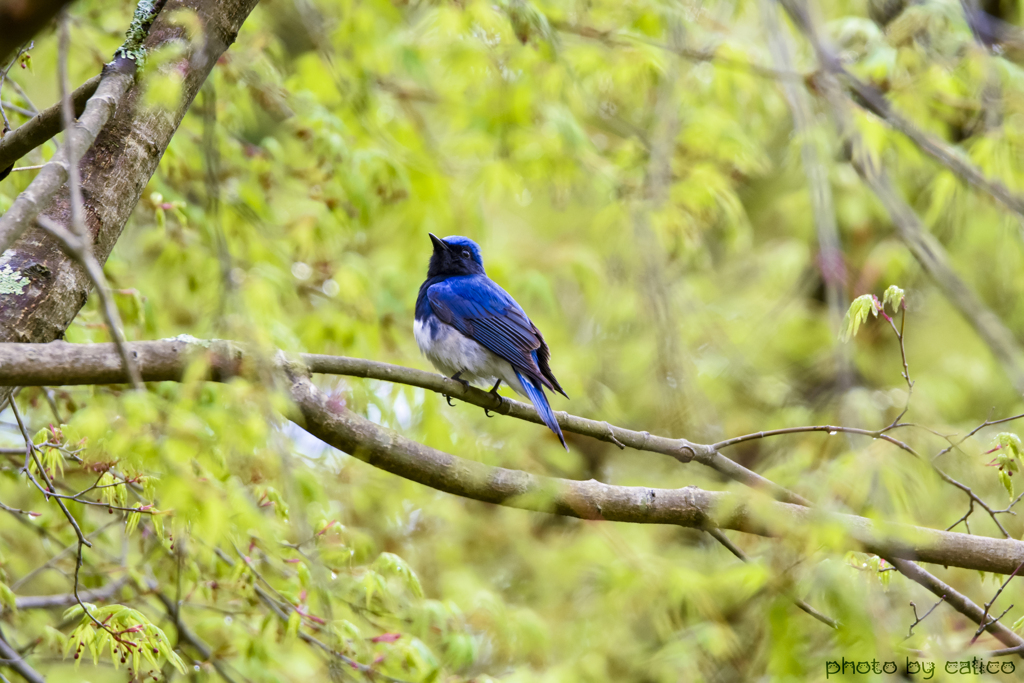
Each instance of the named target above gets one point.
<point>473,331</point>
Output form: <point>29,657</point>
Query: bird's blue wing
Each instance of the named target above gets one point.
<point>484,312</point>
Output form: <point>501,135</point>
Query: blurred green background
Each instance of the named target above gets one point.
<point>651,213</point>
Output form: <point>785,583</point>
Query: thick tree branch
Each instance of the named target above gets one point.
<point>61,363</point>
<point>66,364</point>
<point>690,506</point>
<point>18,663</point>
<point>117,77</point>
<point>49,286</point>
<point>42,127</point>
<point>27,602</point>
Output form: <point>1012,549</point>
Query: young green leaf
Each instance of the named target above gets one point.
<point>857,314</point>
<point>1010,443</point>
<point>1007,482</point>
<point>893,298</point>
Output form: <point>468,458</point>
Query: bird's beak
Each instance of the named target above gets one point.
<point>439,244</point>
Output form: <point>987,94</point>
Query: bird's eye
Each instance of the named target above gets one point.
<point>465,254</point>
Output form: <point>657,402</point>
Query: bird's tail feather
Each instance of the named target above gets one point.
<point>535,392</point>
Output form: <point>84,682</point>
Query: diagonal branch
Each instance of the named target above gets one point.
<point>332,423</point>
<point>18,663</point>
<point>927,250</point>
<point>187,635</point>
<point>856,91</point>
<point>42,127</point>
<point>68,364</point>
<point>720,536</point>
<point>118,77</point>
<point>830,249</point>
<point>952,158</point>
<point>957,600</point>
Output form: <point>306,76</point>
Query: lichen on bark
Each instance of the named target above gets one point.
<point>134,44</point>
<point>11,280</point>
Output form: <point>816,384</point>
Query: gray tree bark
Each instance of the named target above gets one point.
<point>167,360</point>
<point>41,288</point>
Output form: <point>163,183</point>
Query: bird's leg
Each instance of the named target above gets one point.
<point>494,390</point>
<point>458,378</point>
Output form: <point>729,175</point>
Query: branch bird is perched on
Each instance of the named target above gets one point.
<point>473,331</point>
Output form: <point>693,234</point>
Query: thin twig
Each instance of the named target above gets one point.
<point>281,614</point>
<point>77,246</point>
<point>918,620</point>
<point>22,111</point>
<point>3,76</point>
<point>189,636</point>
<point>60,555</point>
<point>50,490</point>
<point>29,104</point>
<point>67,115</point>
<point>614,38</point>
<point>726,542</point>
<point>43,127</point>
<point>988,605</point>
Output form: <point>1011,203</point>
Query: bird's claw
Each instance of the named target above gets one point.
<point>458,378</point>
<point>487,411</point>
<point>501,400</point>
<point>494,391</point>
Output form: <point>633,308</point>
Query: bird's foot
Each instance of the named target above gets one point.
<point>458,378</point>
<point>494,390</point>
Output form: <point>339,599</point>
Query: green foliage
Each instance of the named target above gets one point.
<point>8,598</point>
<point>894,298</point>
<point>1009,456</point>
<point>659,232</point>
<point>127,633</point>
<point>858,313</point>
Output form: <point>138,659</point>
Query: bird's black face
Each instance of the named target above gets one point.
<point>454,256</point>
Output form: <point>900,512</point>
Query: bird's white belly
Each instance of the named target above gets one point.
<point>450,352</point>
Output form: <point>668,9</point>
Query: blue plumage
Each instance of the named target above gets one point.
<point>471,329</point>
